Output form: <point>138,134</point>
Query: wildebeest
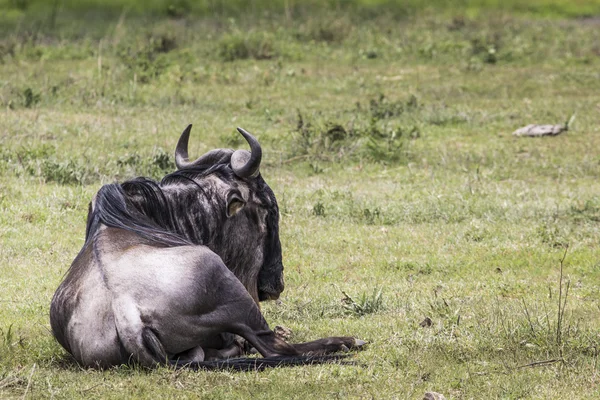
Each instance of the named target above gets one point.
<point>172,272</point>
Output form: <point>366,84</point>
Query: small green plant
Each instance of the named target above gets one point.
<point>372,133</point>
<point>30,98</point>
<point>386,145</point>
<point>239,46</point>
<point>325,30</point>
<point>148,58</point>
<point>557,335</point>
<point>586,210</point>
<point>364,304</point>
<point>129,160</point>
<point>7,336</point>
<point>31,153</point>
<point>383,108</point>
<point>319,209</point>
<point>315,168</point>
<point>7,49</point>
<point>372,215</point>
<point>551,235</point>
<point>29,158</point>
<point>65,172</point>
<point>486,49</point>
<point>8,343</point>
<point>161,162</point>
<point>155,166</point>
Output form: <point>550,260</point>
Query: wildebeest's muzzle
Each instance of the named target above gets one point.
<point>270,283</point>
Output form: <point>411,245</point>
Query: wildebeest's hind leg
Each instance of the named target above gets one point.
<point>257,332</point>
<point>317,347</point>
<point>241,316</point>
<point>224,307</point>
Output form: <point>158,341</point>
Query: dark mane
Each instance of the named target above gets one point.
<point>113,208</point>
<point>198,171</point>
<point>141,206</point>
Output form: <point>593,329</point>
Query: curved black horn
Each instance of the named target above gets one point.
<point>182,161</point>
<point>181,151</point>
<point>246,163</point>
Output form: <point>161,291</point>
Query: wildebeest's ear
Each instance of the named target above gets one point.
<point>235,203</point>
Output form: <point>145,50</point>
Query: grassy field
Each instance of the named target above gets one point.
<point>411,217</point>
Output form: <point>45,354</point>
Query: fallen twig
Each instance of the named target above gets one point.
<point>29,380</point>
<point>541,363</point>
<point>91,387</point>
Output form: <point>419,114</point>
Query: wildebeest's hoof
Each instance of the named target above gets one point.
<point>282,332</point>
<point>350,343</point>
<point>330,345</point>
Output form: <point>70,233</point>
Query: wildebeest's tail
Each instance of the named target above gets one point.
<point>259,364</point>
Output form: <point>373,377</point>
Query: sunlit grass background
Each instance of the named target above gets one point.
<point>386,129</point>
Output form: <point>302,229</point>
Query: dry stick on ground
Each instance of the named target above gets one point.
<point>541,363</point>
<point>29,381</point>
<point>8,381</point>
<point>347,297</point>
<point>528,316</point>
<point>91,387</point>
<point>561,306</point>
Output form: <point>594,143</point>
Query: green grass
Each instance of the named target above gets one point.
<point>387,140</point>
<point>178,8</point>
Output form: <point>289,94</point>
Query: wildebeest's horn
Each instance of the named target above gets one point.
<point>246,163</point>
<point>216,156</point>
<point>181,151</point>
